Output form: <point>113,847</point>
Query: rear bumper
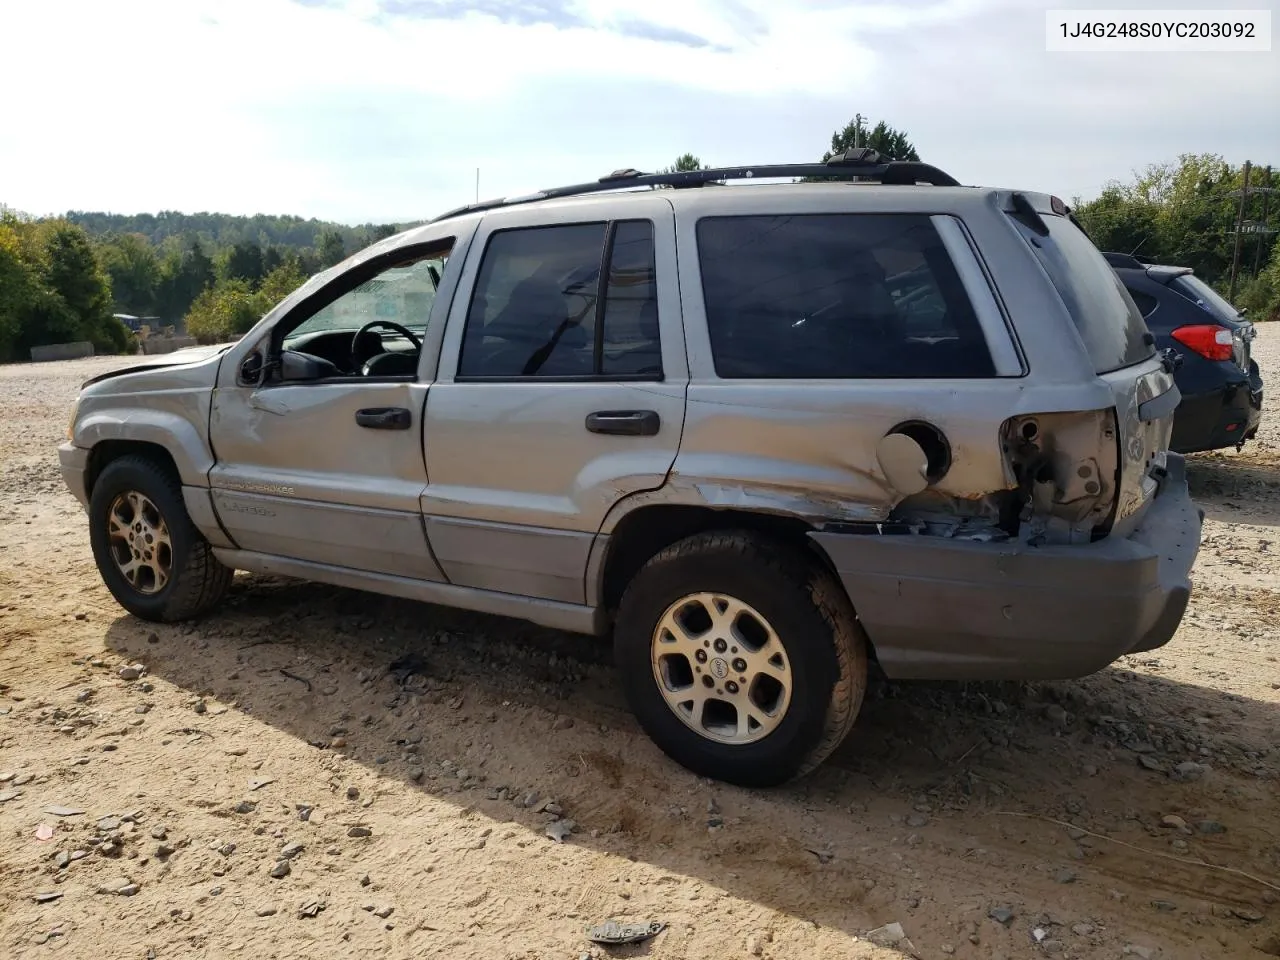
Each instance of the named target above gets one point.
<point>963,610</point>
<point>1219,418</point>
<point>74,463</point>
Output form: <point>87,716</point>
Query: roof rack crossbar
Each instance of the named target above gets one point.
<point>860,164</point>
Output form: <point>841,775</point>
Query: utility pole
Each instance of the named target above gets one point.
<point>1267,190</point>
<point>477,184</point>
<point>857,130</point>
<point>1235,257</point>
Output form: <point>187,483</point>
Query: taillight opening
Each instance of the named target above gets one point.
<point>1207,339</point>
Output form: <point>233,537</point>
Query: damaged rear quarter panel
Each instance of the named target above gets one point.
<point>809,448</point>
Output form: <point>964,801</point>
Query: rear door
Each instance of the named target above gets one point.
<point>561,390</point>
<point>1121,348</point>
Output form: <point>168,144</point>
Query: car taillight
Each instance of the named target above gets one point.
<point>1207,339</point>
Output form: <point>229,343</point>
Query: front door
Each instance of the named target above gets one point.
<point>329,469</point>
<point>561,390</point>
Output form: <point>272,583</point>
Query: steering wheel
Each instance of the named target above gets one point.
<point>358,360</point>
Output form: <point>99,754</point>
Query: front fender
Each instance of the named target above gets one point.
<point>175,432</point>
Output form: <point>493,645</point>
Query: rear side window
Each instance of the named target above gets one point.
<point>1145,303</point>
<point>836,296</point>
<point>1108,321</point>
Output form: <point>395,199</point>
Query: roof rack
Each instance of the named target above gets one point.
<point>860,163</point>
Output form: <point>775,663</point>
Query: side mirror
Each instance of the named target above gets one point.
<point>251,368</point>
<point>300,367</point>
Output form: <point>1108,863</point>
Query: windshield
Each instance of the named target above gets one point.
<point>1192,286</point>
<point>1108,321</point>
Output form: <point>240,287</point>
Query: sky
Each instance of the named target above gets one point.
<point>382,110</point>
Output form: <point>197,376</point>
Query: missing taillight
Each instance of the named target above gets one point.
<point>1207,339</point>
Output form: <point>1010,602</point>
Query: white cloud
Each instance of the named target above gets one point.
<point>381,109</point>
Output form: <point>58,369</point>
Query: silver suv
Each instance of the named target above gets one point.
<point>762,433</point>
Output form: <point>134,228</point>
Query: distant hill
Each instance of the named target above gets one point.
<point>218,230</point>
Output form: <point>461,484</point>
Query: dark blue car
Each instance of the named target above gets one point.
<point>1220,383</point>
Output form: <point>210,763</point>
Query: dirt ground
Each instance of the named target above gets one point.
<point>320,773</point>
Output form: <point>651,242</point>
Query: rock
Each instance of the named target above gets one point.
<point>108,824</point>
<point>1173,822</point>
<point>948,949</point>
<point>1210,826</point>
<point>132,672</point>
<point>47,896</point>
<point>1082,929</point>
<point>63,860</point>
<point>266,911</point>
<point>365,880</point>
<point>917,820</point>
<point>117,884</point>
<point>1247,914</point>
<point>311,908</point>
<point>292,849</point>
<point>257,783</point>
<point>1065,876</point>
<point>1001,915</point>
<point>7,795</point>
<point>128,890</point>
<point>1056,715</point>
<point>554,809</point>
<point>83,696</point>
<point>158,832</point>
<point>280,870</point>
<point>1164,906</point>
<point>1134,950</point>
<point>359,832</point>
<point>1189,771</point>
<point>559,830</point>
<point>164,851</point>
<point>416,774</point>
<point>755,944</point>
<point>383,912</point>
<point>200,706</point>
<point>562,723</point>
<point>57,811</point>
<point>529,799</point>
<point>891,934</point>
<point>353,793</point>
<point>245,806</point>
<point>1089,770</point>
<point>1150,763</point>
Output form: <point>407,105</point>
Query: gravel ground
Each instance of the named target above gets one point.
<point>317,773</point>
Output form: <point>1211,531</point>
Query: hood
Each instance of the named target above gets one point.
<point>178,358</point>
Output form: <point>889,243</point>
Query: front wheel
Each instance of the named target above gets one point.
<point>152,558</point>
<point>741,658</point>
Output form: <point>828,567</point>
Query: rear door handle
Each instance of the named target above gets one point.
<point>625,423</point>
<point>384,418</point>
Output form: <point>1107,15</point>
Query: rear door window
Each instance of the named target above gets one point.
<point>1108,321</point>
<point>836,296</point>
<point>1199,292</point>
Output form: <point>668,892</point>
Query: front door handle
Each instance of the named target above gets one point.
<point>625,423</point>
<point>384,418</point>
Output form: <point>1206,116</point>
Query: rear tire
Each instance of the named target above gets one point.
<point>790,682</point>
<point>152,558</point>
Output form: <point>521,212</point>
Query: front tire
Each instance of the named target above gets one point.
<point>152,558</point>
<point>741,657</point>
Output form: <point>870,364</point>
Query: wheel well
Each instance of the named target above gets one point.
<point>645,532</point>
<point>108,450</point>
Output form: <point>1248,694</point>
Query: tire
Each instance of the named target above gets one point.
<point>824,656</point>
<point>195,580</point>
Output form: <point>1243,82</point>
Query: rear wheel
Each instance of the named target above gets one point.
<point>740,657</point>
<point>152,558</point>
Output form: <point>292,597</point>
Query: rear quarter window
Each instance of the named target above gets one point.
<point>1108,321</point>
<point>836,296</point>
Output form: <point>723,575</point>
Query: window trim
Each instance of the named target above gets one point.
<point>602,289</point>
<point>933,219</point>
<point>977,284</point>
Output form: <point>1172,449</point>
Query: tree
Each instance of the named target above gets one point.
<point>330,248</point>
<point>279,283</point>
<point>889,143</point>
<point>222,312</point>
<point>244,262</point>
<point>134,269</point>
<point>686,163</point>
<point>73,273</point>
<point>183,277</point>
